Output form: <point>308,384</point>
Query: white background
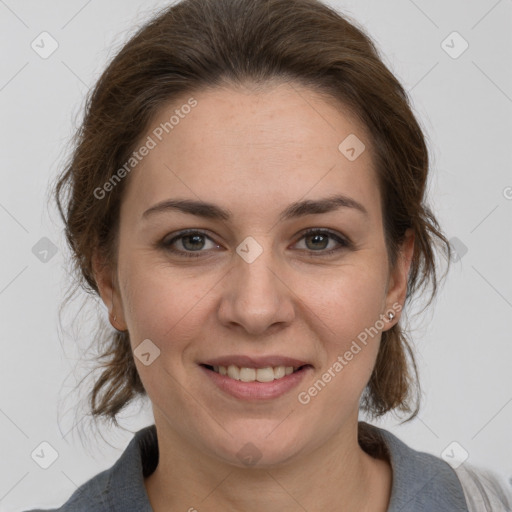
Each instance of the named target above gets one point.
<point>463,346</point>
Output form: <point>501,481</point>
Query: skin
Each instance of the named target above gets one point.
<point>254,152</point>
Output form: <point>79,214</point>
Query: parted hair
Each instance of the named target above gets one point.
<point>195,44</point>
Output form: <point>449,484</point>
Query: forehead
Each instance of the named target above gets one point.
<point>239,145</point>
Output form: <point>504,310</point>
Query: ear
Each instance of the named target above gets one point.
<point>397,286</point>
<point>104,275</point>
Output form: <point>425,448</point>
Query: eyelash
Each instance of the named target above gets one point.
<point>344,242</point>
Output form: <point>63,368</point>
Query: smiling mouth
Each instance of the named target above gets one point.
<point>265,374</point>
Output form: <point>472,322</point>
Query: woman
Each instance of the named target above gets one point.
<point>247,197</point>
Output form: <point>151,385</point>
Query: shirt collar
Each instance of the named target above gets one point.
<point>126,484</point>
<point>420,480</point>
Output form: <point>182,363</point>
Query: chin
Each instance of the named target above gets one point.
<point>260,447</point>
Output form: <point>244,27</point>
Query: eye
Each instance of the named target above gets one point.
<point>317,240</point>
<point>190,243</point>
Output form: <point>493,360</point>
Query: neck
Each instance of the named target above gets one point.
<point>335,476</point>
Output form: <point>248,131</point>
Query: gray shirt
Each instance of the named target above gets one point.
<point>421,482</point>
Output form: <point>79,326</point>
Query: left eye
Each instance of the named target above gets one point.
<point>194,241</point>
<point>319,237</point>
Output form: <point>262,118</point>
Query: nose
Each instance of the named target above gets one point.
<point>256,296</point>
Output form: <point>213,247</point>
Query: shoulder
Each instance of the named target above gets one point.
<point>424,482</point>
<point>121,487</point>
<point>89,497</point>
<point>483,490</point>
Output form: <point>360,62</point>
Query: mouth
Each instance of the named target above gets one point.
<point>256,378</point>
<point>255,374</point>
<point>256,381</point>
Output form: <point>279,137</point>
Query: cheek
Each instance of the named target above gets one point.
<point>347,299</point>
<point>163,305</point>
<point>348,307</point>
<point>169,311</point>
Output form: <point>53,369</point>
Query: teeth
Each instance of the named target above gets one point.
<point>267,374</point>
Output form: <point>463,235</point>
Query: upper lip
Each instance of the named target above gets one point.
<point>255,362</point>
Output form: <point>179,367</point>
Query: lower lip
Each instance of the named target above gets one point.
<point>257,390</point>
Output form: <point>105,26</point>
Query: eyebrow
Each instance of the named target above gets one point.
<point>294,210</point>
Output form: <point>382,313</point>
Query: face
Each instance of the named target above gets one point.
<point>257,280</point>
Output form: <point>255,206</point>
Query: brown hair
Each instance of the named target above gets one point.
<point>196,44</point>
